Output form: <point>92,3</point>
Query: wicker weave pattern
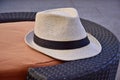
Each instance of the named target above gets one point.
<point>17,16</point>
<point>100,67</point>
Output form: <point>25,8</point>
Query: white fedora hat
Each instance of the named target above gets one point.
<point>59,33</point>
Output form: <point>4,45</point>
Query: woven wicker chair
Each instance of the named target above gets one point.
<point>100,67</point>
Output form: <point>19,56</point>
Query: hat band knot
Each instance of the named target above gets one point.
<point>61,45</point>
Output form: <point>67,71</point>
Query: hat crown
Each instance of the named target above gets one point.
<point>59,25</point>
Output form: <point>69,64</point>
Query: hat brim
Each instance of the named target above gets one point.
<point>90,50</point>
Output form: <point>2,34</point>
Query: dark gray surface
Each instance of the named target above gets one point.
<point>103,12</point>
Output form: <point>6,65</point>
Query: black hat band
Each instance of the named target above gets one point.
<point>61,45</point>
